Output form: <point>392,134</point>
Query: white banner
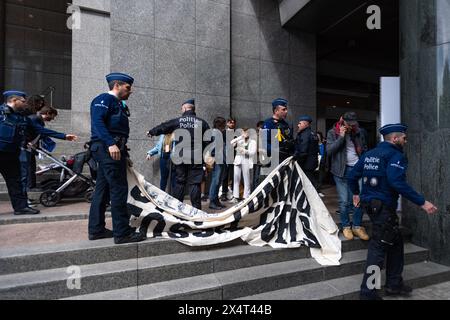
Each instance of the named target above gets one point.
<point>285,211</point>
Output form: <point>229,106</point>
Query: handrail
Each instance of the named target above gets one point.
<point>49,90</point>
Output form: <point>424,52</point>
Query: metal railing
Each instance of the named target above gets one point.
<point>49,91</point>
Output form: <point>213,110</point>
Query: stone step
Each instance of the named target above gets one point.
<point>28,259</point>
<point>416,275</point>
<point>240,281</point>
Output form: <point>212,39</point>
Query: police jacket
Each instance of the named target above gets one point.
<point>190,122</point>
<point>109,119</point>
<point>307,150</point>
<point>285,136</point>
<point>14,127</point>
<point>383,171</point>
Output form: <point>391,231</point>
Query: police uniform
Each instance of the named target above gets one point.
<point>189,172</point>
<point>307,150</point>
<point>383,172</point>
<point>109,127</point>
<point>285,133</point>
<point>13,128</point>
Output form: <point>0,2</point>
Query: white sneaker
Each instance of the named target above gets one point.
<point>234,201</point>
<point>230,195</point>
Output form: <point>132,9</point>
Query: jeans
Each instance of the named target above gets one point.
<point>216,181</point>
<point>346,201</point>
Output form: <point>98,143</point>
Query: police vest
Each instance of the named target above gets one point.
<point>12,129</point>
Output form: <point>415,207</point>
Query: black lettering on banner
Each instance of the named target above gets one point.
<point>177,231</point>
<point>237,218</point>
<point>293,225</point>
<point>137,195</point>
<point>161,225</point>
<point>134,211</point>
<point>282,225</point>
<point>266,234</point>
<point>204,233</point>
<point>310,238</point>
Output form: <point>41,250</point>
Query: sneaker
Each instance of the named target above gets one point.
<point>27,211</point>
<point>234,201</point>
<point>103,235</point>
<point>230,195</point>
<point>205,198</point>
<point>131,238</point>
<point>404,291</point>
<point>321,195</point>
<point>361,233</point>
<point>348,234</point>
<point>223,198</point>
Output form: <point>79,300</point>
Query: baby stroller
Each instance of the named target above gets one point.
<point>70,181</point>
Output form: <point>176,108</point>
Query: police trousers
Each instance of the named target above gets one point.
<point>10,170</point>
<point>111,185</point>
<point>191,176</point>
<point>385,248</point>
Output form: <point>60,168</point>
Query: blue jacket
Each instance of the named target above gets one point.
<point>14,128</point>
<point>286,140</point>
<point>109,119</point>
<point>383,171</point>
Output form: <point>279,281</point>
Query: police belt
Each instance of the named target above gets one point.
<point>375,206</point>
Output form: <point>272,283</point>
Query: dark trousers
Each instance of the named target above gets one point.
<point>256,176</point>
<point>227,174</point>
<point>28,170</point>
<point>10,170</point>
<point>385,227</point>
<point>312,177</point>
<point>111,185</point>
<point>167,171</point>
<point>191,176</point>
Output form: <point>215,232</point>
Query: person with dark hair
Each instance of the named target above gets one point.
<point>13,128</point>
<point>227,173</point>
<point>28,156</point>
<point>110,132</point>
<point>322,163</point>
<point>219,168</point>
<point>346,143</point>
<point>383,171</point>
<point>35,104</point>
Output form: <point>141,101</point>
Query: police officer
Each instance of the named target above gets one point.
<point>285,133</point>
<point>110,131</point>
<point>13,128</point>
<point>307,148</point>
<point>190,170</point>
<point>383,171</point>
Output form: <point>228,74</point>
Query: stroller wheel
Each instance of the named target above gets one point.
<point>89,195</point>
<point>50,198</point>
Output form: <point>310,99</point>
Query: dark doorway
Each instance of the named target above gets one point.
<point>37,49</point>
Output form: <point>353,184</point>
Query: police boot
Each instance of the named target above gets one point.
<point>361,233</point>
<point>403,291</point>
<point>131,238</point>
<point>27,211</point>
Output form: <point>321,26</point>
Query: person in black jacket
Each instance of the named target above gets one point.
<point>189,165</point>
<point>307,148</point>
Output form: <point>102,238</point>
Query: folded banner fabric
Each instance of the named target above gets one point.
<point>285,211</point>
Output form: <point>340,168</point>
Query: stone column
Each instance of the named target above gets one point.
<point>425,73</point>
<point>90,61</point>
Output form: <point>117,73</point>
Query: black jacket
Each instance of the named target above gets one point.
<point>190,122</point>
<point>307,150</point>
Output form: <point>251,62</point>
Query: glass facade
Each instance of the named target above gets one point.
<point>38,49</point>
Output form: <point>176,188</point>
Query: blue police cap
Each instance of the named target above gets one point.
<point>119,77</point>
<point>305,118</point>
<point>11,93</point>
<point>391,128</point>
<point>279,102</point>
<point>191,101</point>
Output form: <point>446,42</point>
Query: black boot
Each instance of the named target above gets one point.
<point>27,211</point>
